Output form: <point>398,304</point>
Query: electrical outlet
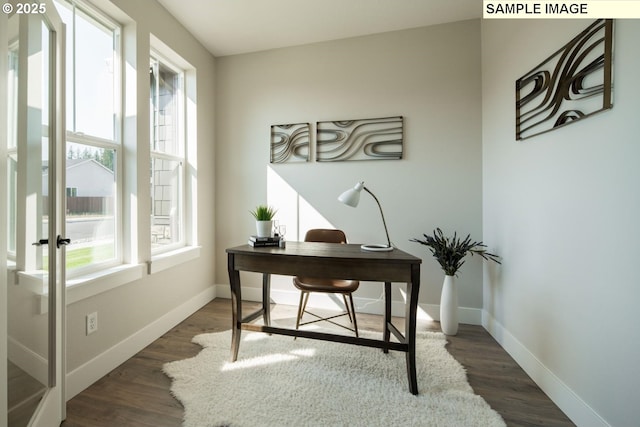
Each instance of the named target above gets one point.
<point>92,322</point>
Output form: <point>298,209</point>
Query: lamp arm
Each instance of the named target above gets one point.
<point>381,213</point>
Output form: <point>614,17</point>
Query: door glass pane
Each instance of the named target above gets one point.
<point>12,182</point>
<point>12,92</point>
<point>90,219</point>
<point>12,142</point>
<point>28,169</point>
<point>65,11</point>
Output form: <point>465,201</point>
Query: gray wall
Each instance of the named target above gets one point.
<point>428,75</point>
<point>562,209</point>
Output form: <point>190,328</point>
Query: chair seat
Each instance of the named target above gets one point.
<point>310,284</point>
<point>307,285</point>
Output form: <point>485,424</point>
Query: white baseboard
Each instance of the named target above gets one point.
<point>27,360</point>
<point>567,400</point>
<point>470,316</point>
<point>85,375</point>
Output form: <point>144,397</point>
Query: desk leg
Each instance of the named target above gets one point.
<point>410,327</point>
<point>266,298</point>
<point>387,314</point>
<point>236,307</point>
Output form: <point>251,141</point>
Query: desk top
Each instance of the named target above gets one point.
<point>327,250</point>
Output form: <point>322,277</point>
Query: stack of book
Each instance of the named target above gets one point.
<point>260,242</point>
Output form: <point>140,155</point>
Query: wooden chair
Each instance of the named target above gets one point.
<point>333,286</point>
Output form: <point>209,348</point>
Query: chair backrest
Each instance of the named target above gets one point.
<point>325,235</point>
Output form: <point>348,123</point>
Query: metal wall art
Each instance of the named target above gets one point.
<point>365,139</point>
<point>290,143</point>
<point>574,83</point>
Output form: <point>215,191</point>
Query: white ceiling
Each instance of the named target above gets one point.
<point>228,27</point>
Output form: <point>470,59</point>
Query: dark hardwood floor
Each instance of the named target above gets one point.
<point>137,392</point>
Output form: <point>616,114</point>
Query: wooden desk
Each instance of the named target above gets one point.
<point>335,261</point>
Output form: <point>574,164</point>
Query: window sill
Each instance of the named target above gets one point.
<point>170,259</point>
<point>34,281</point>
<point>88,285</point>
<point>101,281</point>
<point>81,287</point>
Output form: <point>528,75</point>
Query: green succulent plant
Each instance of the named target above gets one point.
<point>263,213</point>
<point>450,252</point>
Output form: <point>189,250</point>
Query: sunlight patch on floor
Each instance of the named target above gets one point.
<point>268,359</point>
<point>258,361</point>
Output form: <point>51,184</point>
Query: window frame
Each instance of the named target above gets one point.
<point>135,259</point>
<point>97,17</point>
<point>180,157</point>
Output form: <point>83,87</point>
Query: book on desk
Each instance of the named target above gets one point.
<point>260,242</point>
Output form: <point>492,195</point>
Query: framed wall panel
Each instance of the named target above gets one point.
<point>290,143</point>
<point>363,139</point>
<point>572,84</point>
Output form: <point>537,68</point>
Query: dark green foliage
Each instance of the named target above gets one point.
<point>263,213</point>
<point>450,253</point>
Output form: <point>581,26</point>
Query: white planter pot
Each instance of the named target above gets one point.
<point>264,228</point>
<point>449,306</point>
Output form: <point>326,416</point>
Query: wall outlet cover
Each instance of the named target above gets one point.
<point>92,322</point>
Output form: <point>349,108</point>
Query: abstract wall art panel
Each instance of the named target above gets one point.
<point>364,139</point>
<point>290,143</point>
<point>572,84</point>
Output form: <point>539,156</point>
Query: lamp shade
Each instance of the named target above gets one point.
<point>351,197</point>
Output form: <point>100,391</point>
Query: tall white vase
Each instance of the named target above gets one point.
<point>264,228</point>
<point>449,306</point>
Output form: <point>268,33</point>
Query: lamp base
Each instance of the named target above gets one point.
<point>376,248</point>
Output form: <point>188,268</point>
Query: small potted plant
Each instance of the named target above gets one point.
<point>450,253</point>
<point>264,219</point>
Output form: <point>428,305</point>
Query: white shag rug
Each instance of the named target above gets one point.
<point>279,381</point>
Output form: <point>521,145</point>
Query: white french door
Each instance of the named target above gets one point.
<point>35,194</point>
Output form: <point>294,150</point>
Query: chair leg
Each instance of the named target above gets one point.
<point>353,310</point>
<point>301,308</point>
<point>344,297</point>
<point>304,305</point>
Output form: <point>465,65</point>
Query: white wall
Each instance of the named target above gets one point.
<point>562,209</point>
<point>428,75</point>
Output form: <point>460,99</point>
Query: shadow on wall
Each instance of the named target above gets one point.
<point>299,215</point>
<point>294,211</point>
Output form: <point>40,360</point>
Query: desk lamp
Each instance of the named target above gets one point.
<point>351,197</point>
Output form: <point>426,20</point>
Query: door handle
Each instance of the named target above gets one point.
<point>62,242</point>
<point>59,242</point>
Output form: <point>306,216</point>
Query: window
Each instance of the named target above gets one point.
<point>167,155</point>
<point>93,220</point>
<point>101,256</point>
